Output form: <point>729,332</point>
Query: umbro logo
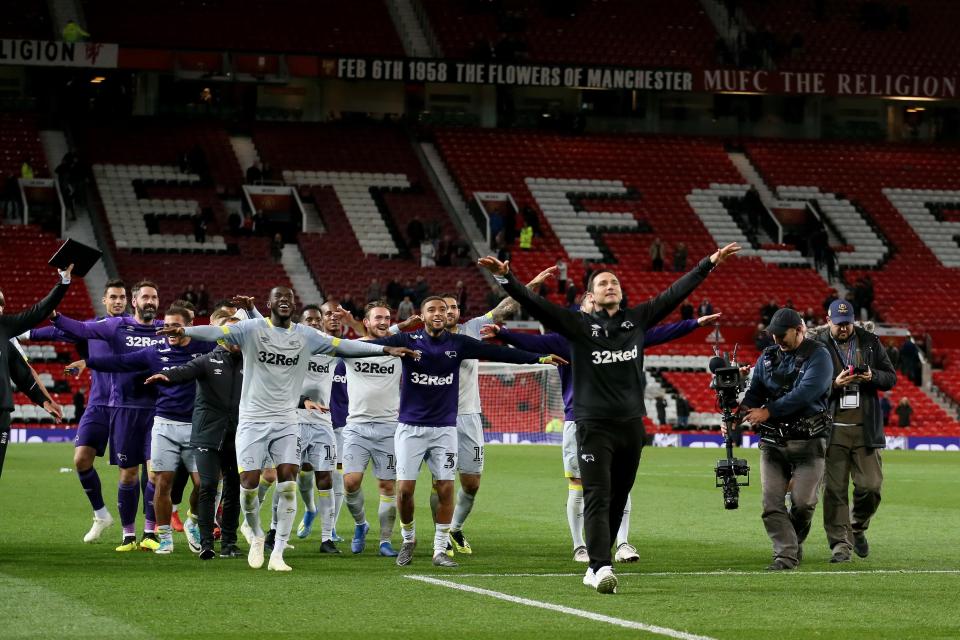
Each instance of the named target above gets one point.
<point>164,359</point>
<point>202,450</point>
<point>588,457</point>
<point>217,372</point>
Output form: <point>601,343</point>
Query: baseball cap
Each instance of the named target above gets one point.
<point>782,320</point>
<point>840,311</point>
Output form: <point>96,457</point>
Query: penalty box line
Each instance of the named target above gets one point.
<point>670,574</point>
<point>580,613</point>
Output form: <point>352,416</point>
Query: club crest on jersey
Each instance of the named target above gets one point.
<point>587,457</point>
<point>595,330</point>
<point>450,354</point>
<point>627,325</point>
<point>164,359</point>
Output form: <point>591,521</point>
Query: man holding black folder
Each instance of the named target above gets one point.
<point>10,327</point>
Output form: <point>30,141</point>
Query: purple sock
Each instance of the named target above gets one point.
<point>128,498</point>
<point>90,481</point>
<point>149,516</point>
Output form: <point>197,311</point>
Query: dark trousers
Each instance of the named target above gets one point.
<point>609,452</point>
<point>5,418</point>
<point>849,459</point>
<point>211,463</point>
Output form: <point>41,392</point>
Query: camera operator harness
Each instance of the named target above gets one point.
<point>791,428</point>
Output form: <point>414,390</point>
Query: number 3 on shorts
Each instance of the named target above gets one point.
<point>451,461</point>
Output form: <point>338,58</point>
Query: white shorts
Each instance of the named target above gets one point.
<point>438,445</point>
<point>169,444</point>
<point>318,446</point>
<point>470,443</point>
<point>366,442</point>
<point>261,445</point>
<point>571,463</point>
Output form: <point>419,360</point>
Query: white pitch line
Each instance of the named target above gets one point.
<point>589,615</point>
<point>670,574</point>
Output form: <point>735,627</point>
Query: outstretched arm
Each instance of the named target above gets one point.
<point>667,332</point>
<point>475,349</point>
<point>17,323</point>
<point>541,343</point>
<point>193,370</point>
<point>553,316</point>
<point>138,360</point>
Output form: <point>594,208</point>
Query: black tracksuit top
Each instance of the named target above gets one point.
<point>607,350</point>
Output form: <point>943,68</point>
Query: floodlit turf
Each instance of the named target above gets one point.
<point>54,586</point>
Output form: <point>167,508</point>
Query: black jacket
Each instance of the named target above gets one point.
<point>607,350</point>
<point>884,379</point>
<point>22,376</point>
<point>13,325</point>
<point>219,376</point>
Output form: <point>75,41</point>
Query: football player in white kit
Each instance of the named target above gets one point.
<point>368,438</point>
<point>276,353</point>
<point>317,441</point>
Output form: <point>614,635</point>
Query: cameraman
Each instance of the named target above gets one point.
<point>861,368</point>
<point>787,405</point>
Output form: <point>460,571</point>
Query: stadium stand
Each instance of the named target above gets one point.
<point>252,25</point>
<point>606,32</point>
<point>346,169</point>
<point>19,141</point>
<point>898,190</point>
<point>661,171</point>
<point>914,38</point>
<point>31,19</point>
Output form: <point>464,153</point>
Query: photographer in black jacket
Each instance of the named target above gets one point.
<point>861,369</point>
<point>608,381</point>
<point>215,416</point>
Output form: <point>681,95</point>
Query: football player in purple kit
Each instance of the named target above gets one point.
<point>93,432</point>
<point>170,436</point>
<point>427,427</point>
<point>133,404</point>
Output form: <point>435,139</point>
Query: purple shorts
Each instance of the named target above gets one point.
<point>94,429</point>
<point>130,431</point>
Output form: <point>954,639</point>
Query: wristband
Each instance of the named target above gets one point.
<point>64,278</point>
<point>543,360</point>
<point>500,279</point>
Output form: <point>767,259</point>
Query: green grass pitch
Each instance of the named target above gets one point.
<point>701,569</point>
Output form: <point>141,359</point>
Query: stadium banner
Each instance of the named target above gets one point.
<point>748,81</point>
<point>28,435</point>
<point>50,53</point>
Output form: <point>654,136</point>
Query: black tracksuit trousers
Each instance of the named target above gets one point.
<point>211,463</point>
<point>609,452</point>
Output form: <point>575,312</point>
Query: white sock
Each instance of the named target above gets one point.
<point>355,505</point>
<point>250,503</point>
<point>434,503</point>
<point>575,514</point>
<point>262,489</point>
<point>191,517</point>
<point>337,495</point>
<point>286,511</point>
<point>305,483</point>
<point>165,532</point>
<point>441,537</point>
<point>624,532</point>
<point>276,501</point>
<point>462,510</point>
<point>409,531</point>
<point>102,513</point>
<point>325,507</point>
<point>175,509</point>
<point>388,516</point>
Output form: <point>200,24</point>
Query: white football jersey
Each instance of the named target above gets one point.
<point>373,386</point>
<point>469,399</point>
<point>317,383</point>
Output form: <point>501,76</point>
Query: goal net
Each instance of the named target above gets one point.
<point>521,403</point>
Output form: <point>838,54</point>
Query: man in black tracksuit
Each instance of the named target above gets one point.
<point>215,416</point>
<point>11,326</point>
<point>608,381</point>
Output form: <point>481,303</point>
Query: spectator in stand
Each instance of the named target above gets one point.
<point>893,353</point>
<point>656,255</point>
<point>885,407</point>
<point>257,226</point>
<point>810,318</point>
<point>428,253</point>
<point>189,295</point>
<point>526,238</point>
<point>64,172</point>
<point>767,311</point>
<point>255,173</point>
<point>683,411</point>
<point>761,337</point>
<point>830,260</point>
<point>409,290</point>
<point>531,220</point>
<point>79,400</point>
<point>266,173</point>
<point>754,206</point>
<point>374,292</point>
<point>461,292</point>
<point>405,309</point>
<point>904,412</point>
<point>234,223</point>
<point>910,363</point>
<point>394,293</point>
<point>561,275</point>
<point>789,304</point>
<point>661,409</point>
<point>421,290</point>
<point>199,227</point>
<point>680,257</point>
<point>705,308</point>
<point>572,296</point>
<point>26,169</point>
<point>686,310</point>
<point>276,248</point>
<point>445,249</point>
<point>72,32</point>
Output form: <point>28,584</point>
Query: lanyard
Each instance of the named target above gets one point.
<point>849,357</point>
